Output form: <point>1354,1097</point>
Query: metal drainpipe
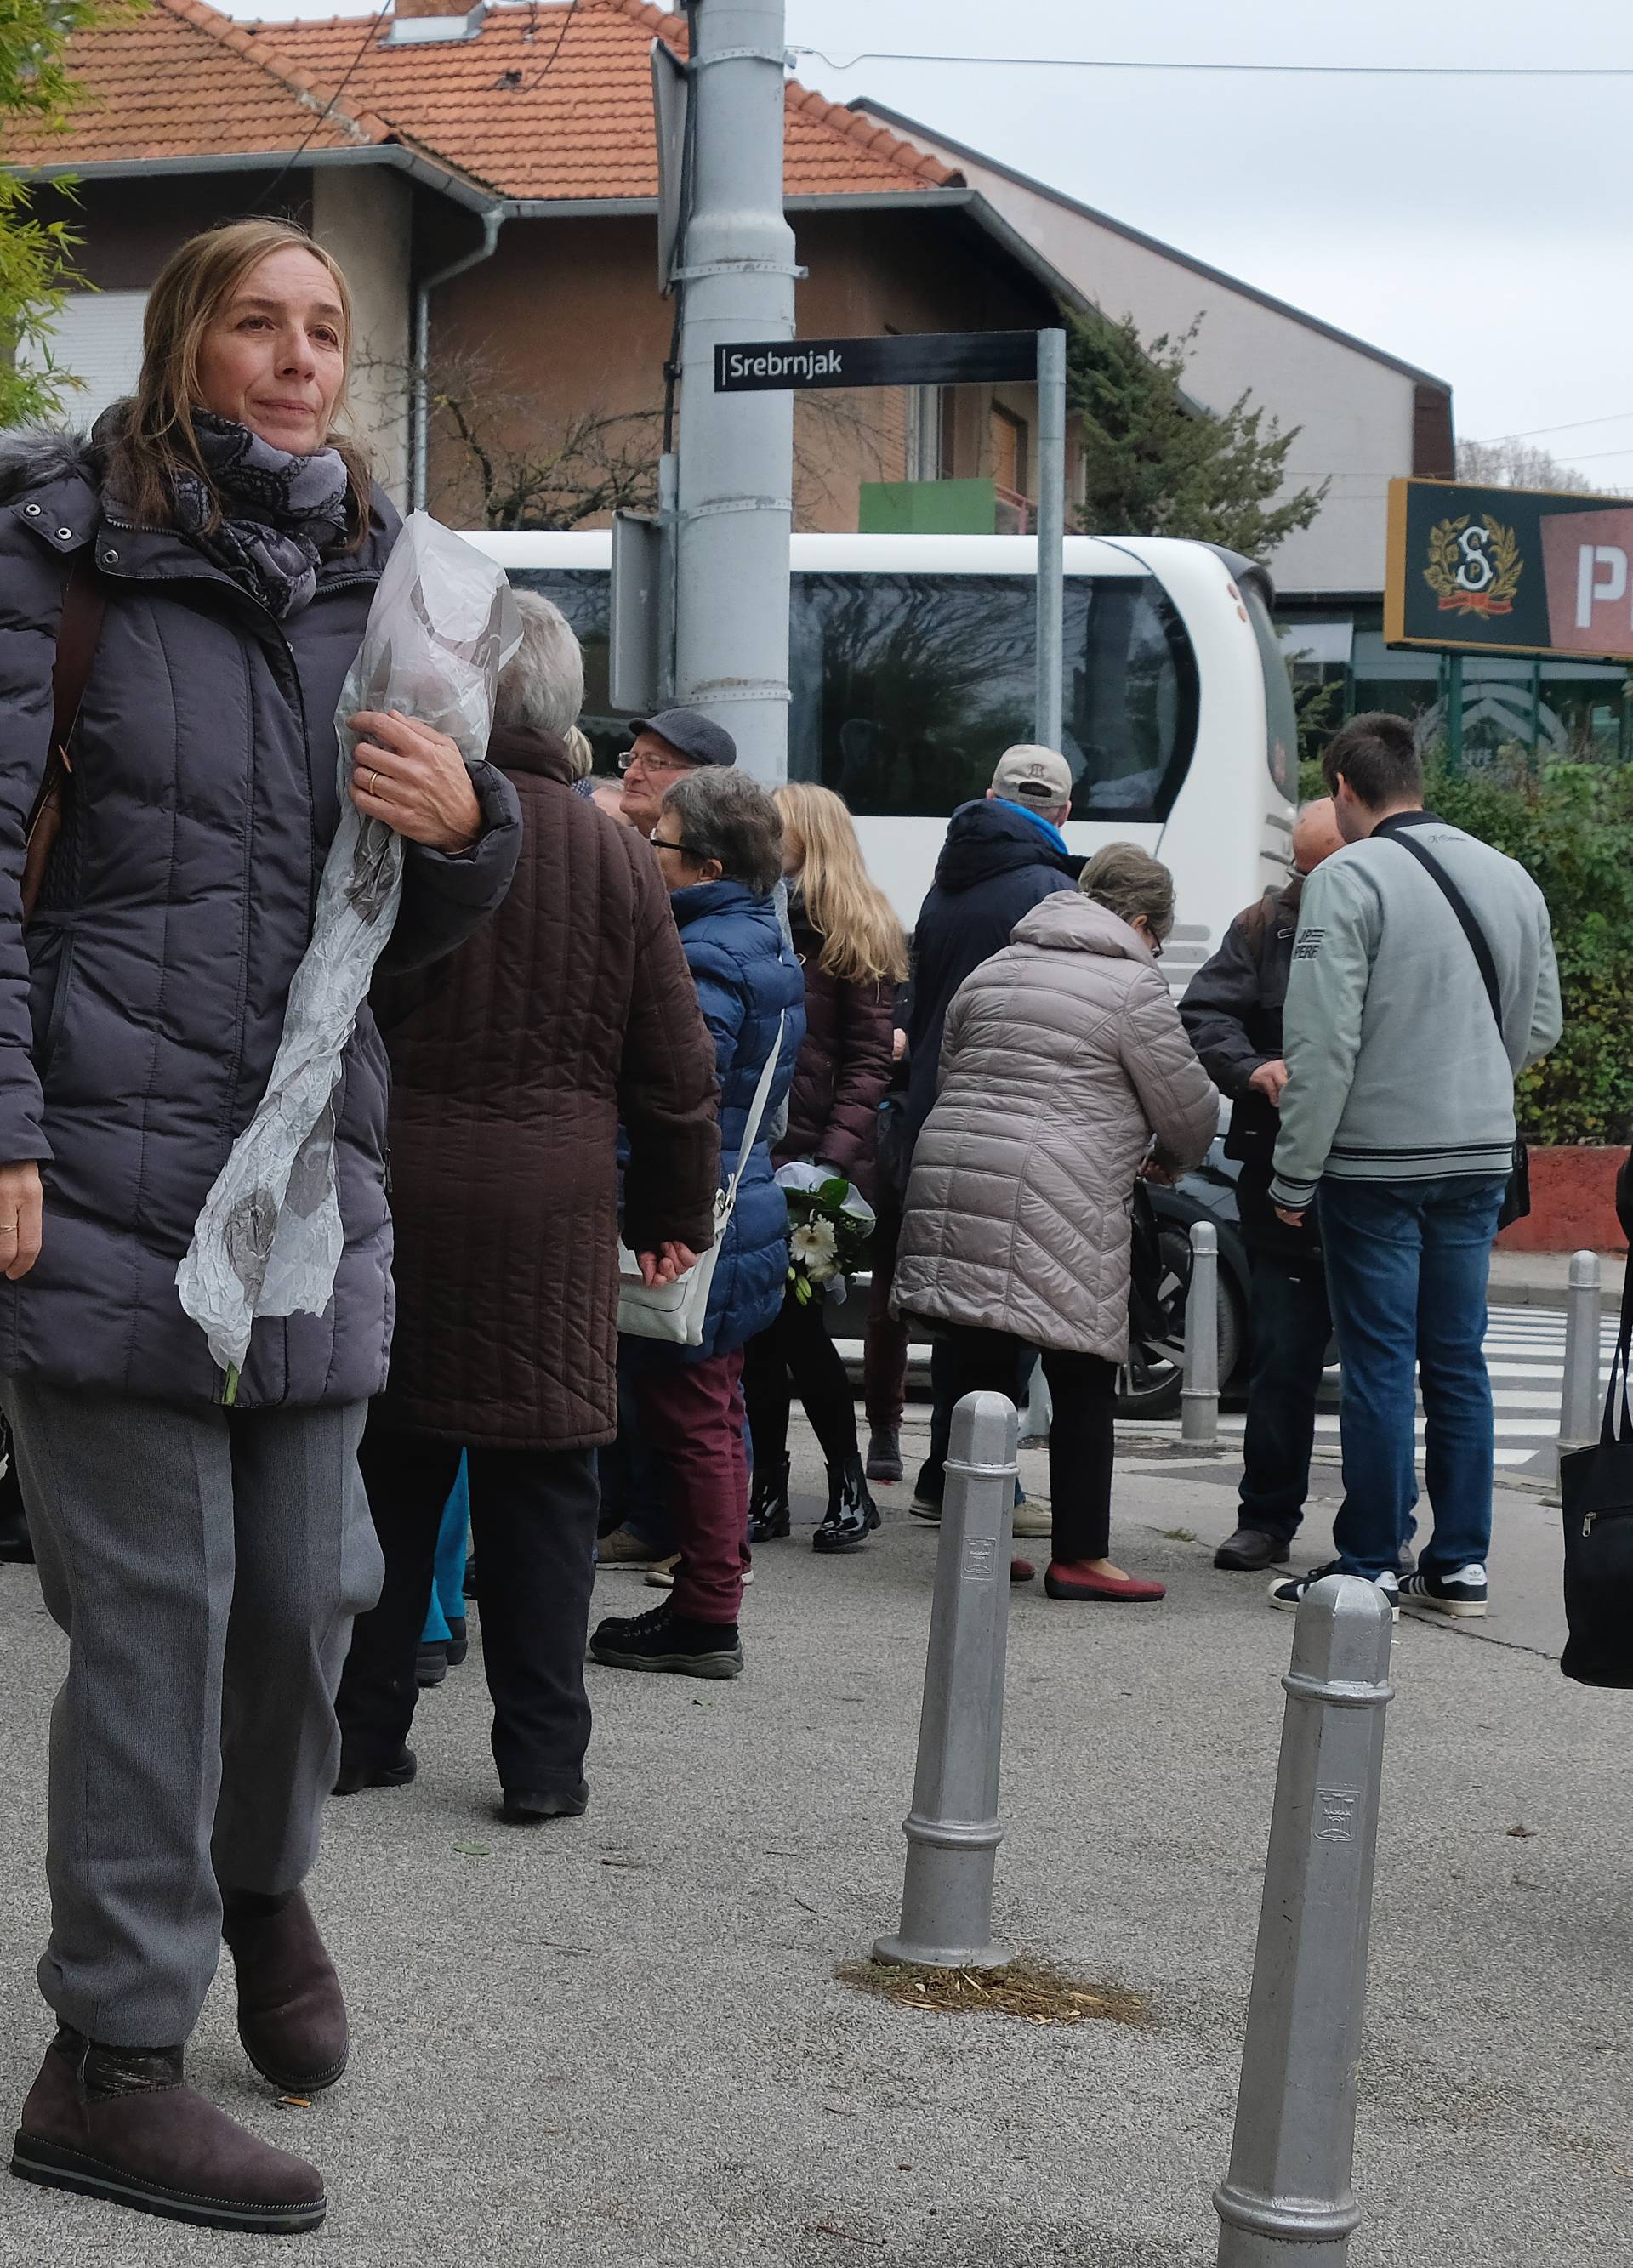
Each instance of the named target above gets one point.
<point>492,220</point>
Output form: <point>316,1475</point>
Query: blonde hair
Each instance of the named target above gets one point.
<point>1128,881</point>
<point>155,438</point>
<point>863,943</point>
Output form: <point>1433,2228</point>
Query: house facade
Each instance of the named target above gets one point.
<point>489,181</point>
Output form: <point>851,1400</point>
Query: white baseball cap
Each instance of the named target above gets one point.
<point>1034,775</point>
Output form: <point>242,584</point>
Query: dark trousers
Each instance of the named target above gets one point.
<point>1292,1326</point>
<point>533,1514</point>
<point>884,1354</point>
<point>691,1414</point>
<point>1081,1432</point>
<point>796,1356</point>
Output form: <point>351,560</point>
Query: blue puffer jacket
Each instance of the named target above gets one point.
<point>746,976</point>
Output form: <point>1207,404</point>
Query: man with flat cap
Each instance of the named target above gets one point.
<point>661,750</point>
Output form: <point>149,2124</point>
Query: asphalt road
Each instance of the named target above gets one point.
<point>620,2040</point>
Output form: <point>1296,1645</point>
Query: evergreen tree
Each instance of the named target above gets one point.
<point>1157,463</point>
<point>36,94</point>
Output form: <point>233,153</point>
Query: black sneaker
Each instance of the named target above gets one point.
<point>524,1808</point>
<point>927,1491</point>
<point>458,1640</point>
<point>431,1663</point>
<point>884,1454</point>
<point>397,1773</point>
<point>1462,1593</point>
<point>1290,1594</point>
<point>666,1640</point>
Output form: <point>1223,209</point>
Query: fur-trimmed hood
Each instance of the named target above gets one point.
<point>39,456</point>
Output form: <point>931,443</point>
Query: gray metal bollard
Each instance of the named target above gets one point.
<point>953,1830</point>
<point>1198,1396</point>
<point>1286,2197</point>
<point>1579,1390</point>
<point>1578,1400</point>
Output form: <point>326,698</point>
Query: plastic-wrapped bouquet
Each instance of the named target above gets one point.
<point>441,627</point>
<point>830,1227</point>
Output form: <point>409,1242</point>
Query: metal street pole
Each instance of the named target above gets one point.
<point>1050,535</point>
<point>735,492</point>
<point>1287,2197</point>
<point>953,1830</point>
<point>1199,1394</point>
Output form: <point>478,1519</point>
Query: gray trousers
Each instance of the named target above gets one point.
<point>206,1565</point>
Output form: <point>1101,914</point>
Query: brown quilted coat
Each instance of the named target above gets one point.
<point>1062,1056</point>
<point>512,1064</point>
<point>844,1065</point>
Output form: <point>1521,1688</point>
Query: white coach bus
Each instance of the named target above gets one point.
<point>912,668</point>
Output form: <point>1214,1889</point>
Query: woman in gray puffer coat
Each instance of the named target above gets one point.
<point>1064,1073</point>
<point>213,551</point>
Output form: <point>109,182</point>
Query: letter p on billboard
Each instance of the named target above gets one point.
<point>1585,557</point>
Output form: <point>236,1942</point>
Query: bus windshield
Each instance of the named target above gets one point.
<point>907,689</point>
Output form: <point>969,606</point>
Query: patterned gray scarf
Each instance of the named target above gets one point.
<point>280,513</point>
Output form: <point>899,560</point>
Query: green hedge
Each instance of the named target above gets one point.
<point>1570,825</point>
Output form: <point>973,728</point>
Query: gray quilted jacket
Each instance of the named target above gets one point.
<point>1063,1056</point>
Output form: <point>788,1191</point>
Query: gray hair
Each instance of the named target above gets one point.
<point>542,685</point>
<point>724,814</point>
<point>1128,880</point>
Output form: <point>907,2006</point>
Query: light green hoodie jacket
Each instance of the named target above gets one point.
<point>1396,1071</point>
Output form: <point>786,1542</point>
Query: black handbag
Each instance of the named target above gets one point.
<point>1596,1491</point>
<point>1517,1195</point>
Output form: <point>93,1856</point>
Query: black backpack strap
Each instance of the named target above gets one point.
<point>1460,906</point>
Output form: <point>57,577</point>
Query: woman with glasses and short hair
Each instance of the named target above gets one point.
<point>717,839</point>
<point>1064,1073</point>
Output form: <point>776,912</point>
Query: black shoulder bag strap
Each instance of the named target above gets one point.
<point>1470,927</point>
<point>1516,1199</point>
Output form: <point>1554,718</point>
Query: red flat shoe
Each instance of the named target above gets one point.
<point>1021,1571</point>
<point>1066,1580</point>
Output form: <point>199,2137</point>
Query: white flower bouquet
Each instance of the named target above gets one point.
<point>830,1227</point>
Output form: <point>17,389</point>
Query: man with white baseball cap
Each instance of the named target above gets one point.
<point>1035,780</point>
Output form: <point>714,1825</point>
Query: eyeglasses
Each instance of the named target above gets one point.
<point>691,850</point>
<point>628,761</point>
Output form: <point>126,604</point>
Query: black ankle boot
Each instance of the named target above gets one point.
<point>768,1506</point>
<point>852,1513</point>
<point>14,1539</point>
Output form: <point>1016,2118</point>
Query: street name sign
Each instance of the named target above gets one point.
<point>926,358</point>
<point>1509,571</point>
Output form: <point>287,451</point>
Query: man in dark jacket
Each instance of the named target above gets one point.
<point>1003,855</point>
<point>1232,1011</point>
<point>513,1064</point>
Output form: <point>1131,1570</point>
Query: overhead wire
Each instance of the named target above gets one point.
<point>1277,69</point>
<point>561,36</point>
<point>289,165</point>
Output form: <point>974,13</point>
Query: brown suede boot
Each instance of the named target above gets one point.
<point>291,2016</point>
<point>118,2124</point>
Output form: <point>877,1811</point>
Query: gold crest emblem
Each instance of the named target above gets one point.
<point>1474,565</point>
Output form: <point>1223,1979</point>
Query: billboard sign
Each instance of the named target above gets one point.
<point>1509,571</point>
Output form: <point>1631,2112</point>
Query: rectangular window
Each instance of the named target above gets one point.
<point>97,336</point>
<point>1010,454</point>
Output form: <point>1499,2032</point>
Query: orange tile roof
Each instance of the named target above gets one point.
<point>546,101</point>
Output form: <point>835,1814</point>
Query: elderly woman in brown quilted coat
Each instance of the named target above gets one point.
<point>513,1064</point>
<point>1065,1073</point>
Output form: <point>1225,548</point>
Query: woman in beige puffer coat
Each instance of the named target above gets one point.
<point>1065,1073</point>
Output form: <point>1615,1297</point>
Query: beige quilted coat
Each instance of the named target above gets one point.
<point>1063,1054</point>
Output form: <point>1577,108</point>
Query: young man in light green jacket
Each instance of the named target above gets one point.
<point>1422,981</point>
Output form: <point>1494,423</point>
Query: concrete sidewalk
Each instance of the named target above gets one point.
<point>619,2039</point>
<point>1540,1279</point>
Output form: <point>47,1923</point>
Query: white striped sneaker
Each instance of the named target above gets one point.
<point>1462,1593</point>
<point>1289,1592</point>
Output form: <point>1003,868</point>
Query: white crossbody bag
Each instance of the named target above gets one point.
<point>675,1312</point>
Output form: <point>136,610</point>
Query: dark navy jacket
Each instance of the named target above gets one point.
<point>139,1019</point>
<point>995,866</point>
<point>746,976</point>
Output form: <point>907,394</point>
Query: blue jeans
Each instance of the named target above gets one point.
<point>1407,1265</point>
<point>1290,1329</point>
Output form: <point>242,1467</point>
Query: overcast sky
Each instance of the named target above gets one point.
<point>1474,226</point>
